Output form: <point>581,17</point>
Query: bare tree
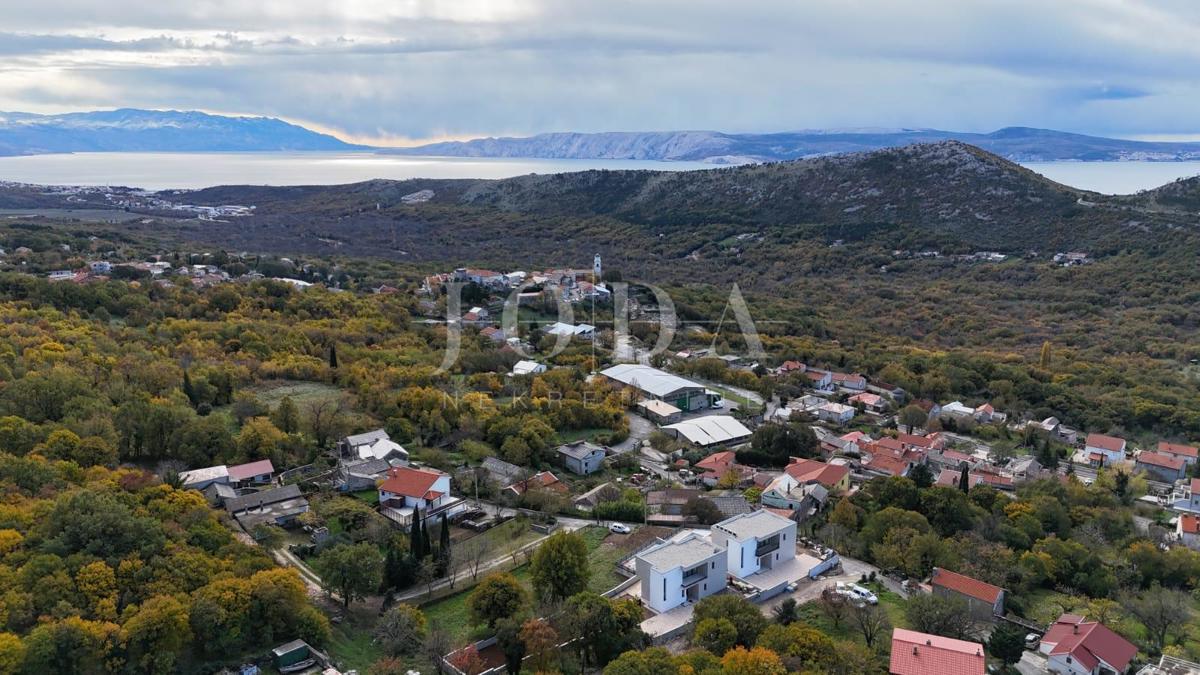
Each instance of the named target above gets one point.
<point>941,616</point>
<point>475,554</point>
<point>1163,611</point>
<point>326,418</point>
<point>833,606</point>
<point>437,645</point>
<point>871,621</point>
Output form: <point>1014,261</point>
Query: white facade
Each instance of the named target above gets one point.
<point>755,541</point>
<point>682,569</point>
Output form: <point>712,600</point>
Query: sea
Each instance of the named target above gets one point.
<point>190,170</point>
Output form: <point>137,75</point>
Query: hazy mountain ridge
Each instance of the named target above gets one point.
<point>131,130</point>
<point>927,195</point>
<point>1021,144</point>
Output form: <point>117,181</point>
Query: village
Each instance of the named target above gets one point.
<point>696,499</point>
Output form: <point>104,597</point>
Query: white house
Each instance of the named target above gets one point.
<point>682,569</point>
<point>1187,453</point>
<point>528,368</point>
<point>405,490</point>
<point>755,541</point>
<point>1187,531</point>
<point>1111,448</point>
<point>372,445</point>
<point>836,413</point>
<point>1188,498</point>
<point>581,457</point>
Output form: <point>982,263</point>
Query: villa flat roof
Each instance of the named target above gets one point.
<point>757,524</point>
<point>683,550</point>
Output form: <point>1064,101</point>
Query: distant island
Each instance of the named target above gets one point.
<point>133,130</point>
<point>1017,144</point>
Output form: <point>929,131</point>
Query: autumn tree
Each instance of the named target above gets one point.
<point>497,596</point>
<point>716,635</point>
<point>157,634</point>
<point>560,566</point>
<point>541,644</point>
<point>401,630</point>
<point>743,614</point>
<point>756,661</point>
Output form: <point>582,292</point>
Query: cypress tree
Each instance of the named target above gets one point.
<point>964,479</point>
<point>188,389</point>
<point>426,546</point>
<point>445,538</point>
<point>414,538</point>
<point>333,356</point>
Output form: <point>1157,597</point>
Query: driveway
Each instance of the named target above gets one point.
<point>640,429</point>
<point>807,591</point>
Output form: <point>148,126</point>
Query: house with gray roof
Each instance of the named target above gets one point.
<point>581,457</point>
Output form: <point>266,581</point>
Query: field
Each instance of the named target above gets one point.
<point>451,612</point>
<point>301,393</point>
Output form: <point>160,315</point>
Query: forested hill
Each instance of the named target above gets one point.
<point>944,186</point>
<point>946,194</point>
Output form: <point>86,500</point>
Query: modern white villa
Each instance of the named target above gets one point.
<point>755,542</point>
<point>682,569</point>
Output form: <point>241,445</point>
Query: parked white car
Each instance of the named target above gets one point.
<point>857,593</point>
<point>619,528</point>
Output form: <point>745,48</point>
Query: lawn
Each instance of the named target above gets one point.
<point>582,434</point>
<point>301,393</point>
<point>893,604</point>
<point>452,614</point>
<point>369,496</point>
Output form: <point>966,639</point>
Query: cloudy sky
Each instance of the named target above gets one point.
<point>399,70</point>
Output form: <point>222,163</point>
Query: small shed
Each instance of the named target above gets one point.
<point>659,412</point>
<point>290,654</point>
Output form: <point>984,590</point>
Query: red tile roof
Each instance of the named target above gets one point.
<point>950,478</point>
<point>805,470</point>
<point>887,464</point>
<point>1195,486</point>
<point>867,399</point>
<point>719,461</point>
<point>1177,449</point>
<point>1110,443</point>
<point>930,441</point>
<point>995,479</point>
<point>788,366</point>
<point>409,482</point>
<point>1089,643</point>
<point>1165,461</point>
<point>251,469</point>
<point>916,653</point>
<point>959,583</point>
<point>543,479</point>
<point>1189,524</point>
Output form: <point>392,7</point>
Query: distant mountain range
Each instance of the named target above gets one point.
<point>1018,144</point>
<point>130,130</point>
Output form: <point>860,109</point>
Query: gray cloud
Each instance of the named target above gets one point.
<point>429,68</point>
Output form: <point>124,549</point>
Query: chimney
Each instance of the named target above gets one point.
<point>914,650</point>
<point>1075,629</point>
<point>929,643</point>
